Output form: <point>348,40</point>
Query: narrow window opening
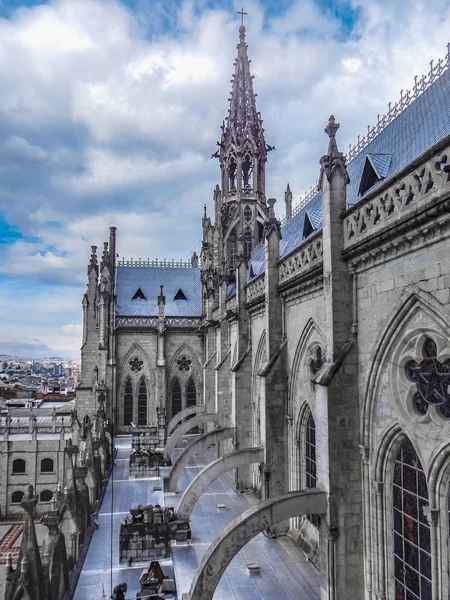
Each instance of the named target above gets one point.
<point>142,404</point>
<point>128,403</point>
<point>176,397</point>
<point>307,227</point>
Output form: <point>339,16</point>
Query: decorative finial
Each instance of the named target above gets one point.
<point>332,127</point>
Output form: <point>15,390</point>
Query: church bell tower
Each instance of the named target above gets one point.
<point>240,207</point>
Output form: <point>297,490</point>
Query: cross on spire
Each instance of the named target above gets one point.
<point>242,13</point>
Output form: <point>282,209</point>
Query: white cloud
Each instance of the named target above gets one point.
<point>102,126</point>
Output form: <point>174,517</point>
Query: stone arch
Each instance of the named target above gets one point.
<point>216,468</point>
<point>135,347</point>
<point>178,434</point>
<point>186,412</point>
<point>212,437</point>
<point>410,302</point>
<point>310,335</point>
<point>245,527</point>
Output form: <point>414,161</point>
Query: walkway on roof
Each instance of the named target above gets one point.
<point>95,575</point>
<point>285,572</point>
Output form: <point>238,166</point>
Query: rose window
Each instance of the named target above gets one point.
<point>136,364</point>
<point>432,380</point>
<point>184,364</point>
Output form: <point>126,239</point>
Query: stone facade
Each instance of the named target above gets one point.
<point>324,340</point>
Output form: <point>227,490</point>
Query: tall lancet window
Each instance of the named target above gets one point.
<point>247,172</point>
<point>232,248</point>
<point>247,243</point>
<point>128,403</point>
<point>175,396</point>
<point>232,172</point>
<point>142,403</point>
<point>191,393</point>
<point>310,460</point>
<point>412,548</point>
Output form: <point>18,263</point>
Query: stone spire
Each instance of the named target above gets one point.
<point>243,149</point>
<point>29,579</point>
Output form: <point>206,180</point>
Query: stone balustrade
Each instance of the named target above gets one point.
<point>415,189</point>
<point>302,260</point>
<point>255,289</point>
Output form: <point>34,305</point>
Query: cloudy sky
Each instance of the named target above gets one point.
<point>110,110</point>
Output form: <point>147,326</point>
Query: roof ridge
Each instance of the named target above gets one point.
<point>162,262</point>
<point>420,86</point>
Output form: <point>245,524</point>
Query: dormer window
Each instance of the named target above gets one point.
<point>307,227</point>
<point>375,169</point>
<point>139,295</point>
<point>180,295</point>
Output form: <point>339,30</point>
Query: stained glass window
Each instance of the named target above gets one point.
<point>128,403</point>
<point>176,397</point>
<point>310,460</point>
<point>142,403</point>
<point>412,552</point>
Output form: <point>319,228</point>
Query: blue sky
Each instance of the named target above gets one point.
<point>110,111</point>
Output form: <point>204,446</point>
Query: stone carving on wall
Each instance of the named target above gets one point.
<point>136,364</point>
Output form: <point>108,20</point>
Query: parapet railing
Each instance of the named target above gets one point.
<point>137,321</point>
<point>255,289</point>
<point>418,187</point>
<point>302,260</point>
<point>147,262</point>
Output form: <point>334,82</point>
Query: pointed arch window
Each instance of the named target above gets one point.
<point>175,396</point>
<point>142,403</point>
<point>412,546</point>
<point>191,393</point>
<point>232,172</point>
<point>310,460</point>
<point>232,248</point>
<point>247,172</point>
<point>128,403</point>
<point>247,243</point>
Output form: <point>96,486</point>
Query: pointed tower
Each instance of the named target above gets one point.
<point>241,208</point>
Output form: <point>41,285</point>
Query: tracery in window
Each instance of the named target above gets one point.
<point>184,363</point>
<point>412,549</point>
<point>175,397</point>
<point>128,403</point>
<point>432,379</point>
<point>142,403</point>
<point>310,461</point>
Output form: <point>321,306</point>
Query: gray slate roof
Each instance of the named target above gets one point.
<point>148,279</point>
<point>420,126</point>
